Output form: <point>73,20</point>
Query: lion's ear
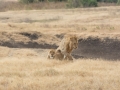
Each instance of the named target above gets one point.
<point>59,50</point>
<point>76,37</point>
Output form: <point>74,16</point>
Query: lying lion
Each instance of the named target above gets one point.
<point>55,54</point>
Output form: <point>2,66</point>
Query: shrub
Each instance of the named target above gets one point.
<point>83,3</point>
<point>118,2</point>
<point>109,1</point>
<point>30,1</point>
<point>89,3</point>
<point>93,3</point>
<point>74,3</point>
<point>26,1</point>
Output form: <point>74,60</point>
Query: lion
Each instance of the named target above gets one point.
<point>59,55</point>
<point>55,54</point>
<point>51,54</point>
<point>67,45</point>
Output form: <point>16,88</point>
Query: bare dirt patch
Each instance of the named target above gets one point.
<point>92,47</point>
<point>89,47</point>
<point>97,29</point>
<point>27,40</point>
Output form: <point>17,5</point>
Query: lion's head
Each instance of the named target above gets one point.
<point>73,43</point>
<point>51,54</point>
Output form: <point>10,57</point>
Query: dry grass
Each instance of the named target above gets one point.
<point>23,69</point>
<point>41,74</point>
<point>26,69</point>
<point>6,6</point>
<point>100,21</point>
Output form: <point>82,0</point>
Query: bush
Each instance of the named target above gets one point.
<point>83,3</point>
<point>118,2</point>
<point>109,1</point>
<point>26,1</point>
<point>31,1</point>
<point>93,3</point>
<point>89,3</point>
<point>74,3</point>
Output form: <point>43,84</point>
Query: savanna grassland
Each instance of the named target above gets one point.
<point>26,36</point>
<point>33,73</point>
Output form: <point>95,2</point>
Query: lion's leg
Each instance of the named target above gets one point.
<point>65,57</point>
<point>48,57</point>
<point>70,57</point>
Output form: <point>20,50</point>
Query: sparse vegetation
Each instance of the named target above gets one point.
<point>108,1</point>
<point>118,2</point>
<point>26,67</point>
<point>40,74</point>
<point>5,6</point>
<point>82,3</point>
<point>74,3</point>
<point>26,1</point>
<point>48,4</point>
<point>89,3</point>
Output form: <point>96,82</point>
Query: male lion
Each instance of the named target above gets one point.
<point>55,54</point>
<point>67,45</point>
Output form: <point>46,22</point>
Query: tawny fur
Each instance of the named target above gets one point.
<point>55,54</point>
<point>59,55</point>
<point>51,54</point>
<point>67,45</point>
